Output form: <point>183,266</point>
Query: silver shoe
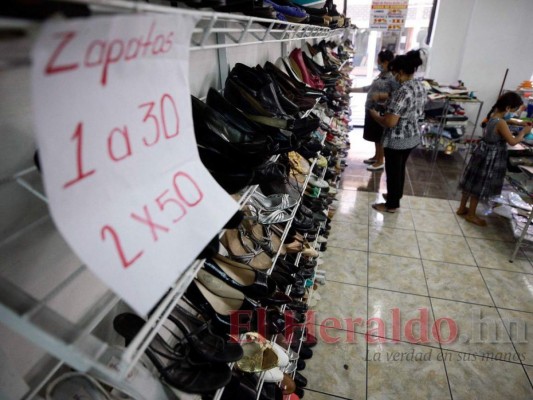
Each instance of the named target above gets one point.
<point>266,217</point>
<point>272,202</point>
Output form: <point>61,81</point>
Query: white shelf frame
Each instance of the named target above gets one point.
<point>82,350</point>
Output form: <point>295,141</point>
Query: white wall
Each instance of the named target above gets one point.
<point>476,40</point>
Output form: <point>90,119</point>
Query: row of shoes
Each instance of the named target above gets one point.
<point>268,111</point>
<point>322,14</point>
<point>262,274</point>
<point>294,11</point>
<point>247,305</point>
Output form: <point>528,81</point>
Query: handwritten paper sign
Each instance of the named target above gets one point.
<point>388,15</point>
<point>121,169</point>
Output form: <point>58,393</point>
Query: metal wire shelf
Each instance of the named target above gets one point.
<point>74,343</point>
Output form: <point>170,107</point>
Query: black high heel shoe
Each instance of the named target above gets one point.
<point>202,341</point>
<point>176,369</point>
<point>223,273</point>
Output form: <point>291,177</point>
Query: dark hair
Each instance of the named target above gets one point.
<point>508,99</point>
<point>407,63</point>
<point>385,55</point>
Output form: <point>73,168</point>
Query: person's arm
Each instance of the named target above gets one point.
<point>503,130</point>
<point>516,121</point>
<point>387,120</point>
<point>380,97</point>
<point>363,89</point>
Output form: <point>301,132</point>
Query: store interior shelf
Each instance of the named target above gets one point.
<point>72,340</point>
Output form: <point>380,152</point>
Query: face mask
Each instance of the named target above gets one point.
<point>380,68</point>
<point>508,116</point>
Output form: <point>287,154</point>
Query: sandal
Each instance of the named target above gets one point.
<point>242,249</point>
<point>264,236</point>
<point>475,220</point>
<point>258,354</point>
<point>382,207</point>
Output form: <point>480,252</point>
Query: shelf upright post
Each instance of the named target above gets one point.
<point>222,57</point>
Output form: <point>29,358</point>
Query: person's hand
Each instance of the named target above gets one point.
<point>374,113</point>
<point>526,129</point>
<point>376,97</point>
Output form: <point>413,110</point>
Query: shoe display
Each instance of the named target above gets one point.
<point>175,368</point>
<point>275,137</point>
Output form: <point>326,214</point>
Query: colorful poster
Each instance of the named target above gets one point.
<point>122,173</point>
<point>388,15</point>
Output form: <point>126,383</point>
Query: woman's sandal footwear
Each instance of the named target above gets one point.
<point>382,207</point>
<point>242,249</point>
<point>462,213</point>
<point>475,220</point>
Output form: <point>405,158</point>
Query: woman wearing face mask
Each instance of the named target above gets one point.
<point>402,133</point>
<point>378,93</point>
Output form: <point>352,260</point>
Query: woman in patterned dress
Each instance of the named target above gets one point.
<point>402,132</point>
<point>485,172</point>
<point>378,93</point>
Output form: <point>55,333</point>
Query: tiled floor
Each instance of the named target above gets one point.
<point>419,304</point>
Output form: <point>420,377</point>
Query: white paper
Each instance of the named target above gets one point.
<point>121,169</point>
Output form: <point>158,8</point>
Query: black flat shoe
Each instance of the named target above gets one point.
<point>300,380</point>
<point>300,365</point>
<point>203,342</point>
<point>305,352</point>
<point>277,299</point>
<point>176,369</point>
<point>282,279</point>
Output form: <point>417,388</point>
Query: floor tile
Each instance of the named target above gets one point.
<point>312,395</point>
<point>352,212</point>
<point>486,379</point>
<point>423,203</point>
<point>406,371</point>
<point>352,306</point>
<point>436,221</point>
<point>498,228</point>
<point>529,371</point>
<point>520,327</point>
<point>437,190</point>
<point>396,273</point>
<point>424,175</point>
<point>354,182</point>
<point>399,242</point>
<point>338,369</point>
<point>511,290</point>
<point>496,254</point>
<point>402,219</point>
<point>456,282</point>
<point>413,324</point>
<point>351,196</point>
<point>447,248</point>
<point>349,236</point>
<point>473,329</point>
<point>346,266</point>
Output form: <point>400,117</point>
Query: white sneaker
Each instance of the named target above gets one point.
<point>283,357</point>
<point>379,167</point>
<point>322,239</point>
<point>274,375</point>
